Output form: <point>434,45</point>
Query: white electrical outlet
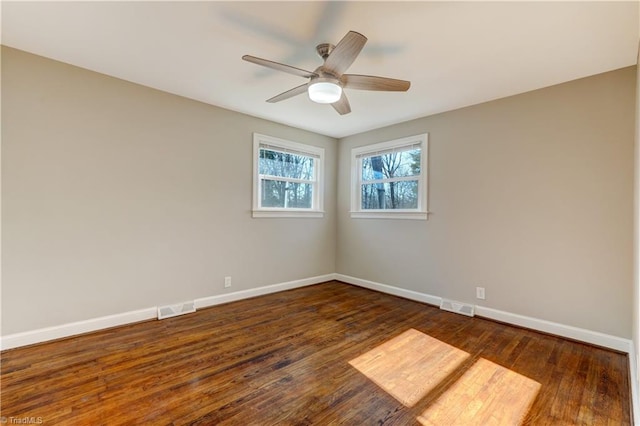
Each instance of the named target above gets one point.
<point>480,293</point>
<point>227,282</point>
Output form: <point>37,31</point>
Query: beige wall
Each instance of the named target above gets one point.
<point>532,198</point>
<point>117,197</point>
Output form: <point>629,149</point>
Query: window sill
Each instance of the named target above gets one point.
<point>390,215</point>
<point>288,213</point>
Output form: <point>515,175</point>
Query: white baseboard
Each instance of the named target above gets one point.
<point>570,332</point>
<point>71,329</point>
<point>384,288</point>
<point>633,378</point>
<point>66,330</point>
<point>245,294</point>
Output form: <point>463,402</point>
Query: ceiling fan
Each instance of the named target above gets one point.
<point>327,81</point>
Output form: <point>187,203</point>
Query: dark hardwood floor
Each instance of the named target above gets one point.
<point>319,355</point>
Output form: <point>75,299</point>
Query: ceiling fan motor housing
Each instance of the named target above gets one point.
<point>324,49</point>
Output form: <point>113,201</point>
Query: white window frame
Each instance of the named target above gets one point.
<point>421,212</point>
<point>315,152</point>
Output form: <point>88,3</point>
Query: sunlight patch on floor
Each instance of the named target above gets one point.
<point>486,394</point>
<point>409,365</point>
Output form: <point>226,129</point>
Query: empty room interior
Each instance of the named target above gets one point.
<point>319,213</point>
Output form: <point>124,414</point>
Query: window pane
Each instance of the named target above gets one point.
<point>393,164</point>
<point>286,194</point>
<point>283,164</point>
<point>390,195</point>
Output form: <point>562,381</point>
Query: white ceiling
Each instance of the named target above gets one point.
<point>454,53</point>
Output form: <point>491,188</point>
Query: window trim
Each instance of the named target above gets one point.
<point>317,153</point>
<point>422,212</point>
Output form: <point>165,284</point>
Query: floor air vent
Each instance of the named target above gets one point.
<point>457,307</point>
<point>175,310</point>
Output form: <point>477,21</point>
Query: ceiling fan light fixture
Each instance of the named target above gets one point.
<point>325,92</point>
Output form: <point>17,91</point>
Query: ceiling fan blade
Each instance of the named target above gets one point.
<point>342,105</point>
<point>345,52</point>
<point>289,94</point>
<point>371,82</point>
<point>280,67</point>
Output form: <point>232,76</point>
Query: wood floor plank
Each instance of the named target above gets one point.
<point>288,359</point>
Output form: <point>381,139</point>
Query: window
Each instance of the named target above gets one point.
<point>287,178</point>
<point>389,179</point>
